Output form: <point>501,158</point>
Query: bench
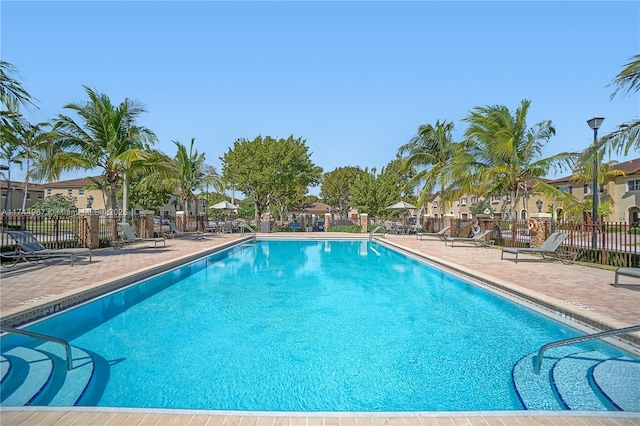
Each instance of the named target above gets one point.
<point>627,272</point>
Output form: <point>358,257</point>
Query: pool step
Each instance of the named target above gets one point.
<point>610,374</point>
<point>28,375</point>
<point>39,376</point>
<point>571,379</point>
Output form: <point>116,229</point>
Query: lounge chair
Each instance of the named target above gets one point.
<point>131,238</point>
<point>29,248</point>
<point>477,240</point>
<point>441,234</point>
<point>627,272</point>
<point>176,232</point>
<point>548,249</point>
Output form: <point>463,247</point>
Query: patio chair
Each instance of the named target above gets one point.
<point>131,238</point>
<point>549,249</point>
<point>477,240</point>
<point>441,234</point>
<point>176,232</point>
<point>627,272</point>
<point>29,248</point>
<point>227,227</point>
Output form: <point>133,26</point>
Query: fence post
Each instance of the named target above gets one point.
<point>145,224</point>
<point>364,222</point>
<point>89,228</point>
<point>537,237</point>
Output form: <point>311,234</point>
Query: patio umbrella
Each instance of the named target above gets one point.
<point>224,205</point>
<point>401,205</point>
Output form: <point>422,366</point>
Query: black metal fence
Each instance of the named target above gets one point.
<point>616,243</point>
<point>56,232</point>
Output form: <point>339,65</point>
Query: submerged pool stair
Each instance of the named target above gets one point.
<point>39,376</point>
<point>574,379</point>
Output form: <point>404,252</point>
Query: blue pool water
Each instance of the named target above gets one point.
<point>308,326</point>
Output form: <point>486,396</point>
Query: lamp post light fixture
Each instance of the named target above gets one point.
<point>89,201</point>
<point>595,124</point>
<point>539,206</point>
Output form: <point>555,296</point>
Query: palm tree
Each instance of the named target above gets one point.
<point>12,95</point>
<point>186,172</point>
<point>34,151</point>
<point>430,152</point>
<point>503,155</point>
<point>104,137</point>
<point>627,135</point>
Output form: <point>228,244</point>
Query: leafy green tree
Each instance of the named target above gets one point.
<point>372,193</point>
<point>268,169</point>
<point>144,193</point>
<point>56,205</point>
<point>431,152</point>
<point>336,185</point>
<point>481,207</point>
<point>627,135</point>
<point>503,155</point>
<point>104,136</point>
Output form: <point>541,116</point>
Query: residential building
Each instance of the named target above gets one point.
<point>78,188</point>
<point>12,195</point>
<point>622,191</point>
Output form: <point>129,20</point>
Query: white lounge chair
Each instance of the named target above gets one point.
<point>131,238</point>
<point>549,249</point>
<point>441,234</point>
<point>477,240</point>
<point>29,248</point>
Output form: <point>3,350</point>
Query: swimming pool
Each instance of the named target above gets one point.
<point>304,326</point>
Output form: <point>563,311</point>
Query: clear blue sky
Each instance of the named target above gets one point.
<point>355,79</point>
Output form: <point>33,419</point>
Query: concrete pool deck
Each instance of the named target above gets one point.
<point>572,292</point>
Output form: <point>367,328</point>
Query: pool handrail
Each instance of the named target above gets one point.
<point>375,230</point>
<point>243,226</point>
<point>578,339</point>
<point>67,346</point>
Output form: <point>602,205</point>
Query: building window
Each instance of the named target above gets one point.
<point>463,201</point>
<point>435,204</point>
<point>4,193</point>
<point>28,195</point>
<point>70,192</point>
<point>81,192</point>
<point>565,188</point>
<point>48,192</point>
<point>633,184</point>
<point>40,196</point>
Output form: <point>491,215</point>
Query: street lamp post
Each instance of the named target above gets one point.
<point>595,124</point>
